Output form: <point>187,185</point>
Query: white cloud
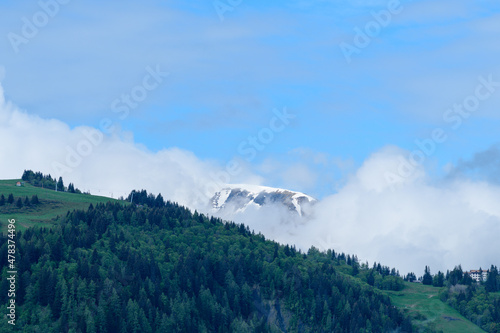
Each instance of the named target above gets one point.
<point>107,165</point>
<point>407,225</point>
<point>411,225</point>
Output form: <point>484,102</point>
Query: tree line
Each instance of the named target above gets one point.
<point>46,181</point>
<point>19,203</point>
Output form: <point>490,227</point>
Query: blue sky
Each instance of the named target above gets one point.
<point>227,76</point>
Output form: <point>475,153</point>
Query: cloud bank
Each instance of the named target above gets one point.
<point>415,223</point>
<point>107,165</point>
<point>407,224</point>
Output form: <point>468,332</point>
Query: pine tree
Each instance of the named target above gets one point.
<point>355,268</point>
<point>27,201</point>
<point>491,281</point>
<point>34,200</point>
<point>60,185</point>
<point>2,200</point>
<point>19,203</point>
<point>159,201</point>
<point>427,280</point>
<point>10,199</point>
<point>371,279</point>
<point>438,280</point>
<point>26,175</point>
<point>71,188</point>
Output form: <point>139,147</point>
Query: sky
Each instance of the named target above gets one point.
<point>387,107</point>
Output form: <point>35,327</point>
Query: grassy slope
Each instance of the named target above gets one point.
<point>52,204</point>
<point>420,300</point>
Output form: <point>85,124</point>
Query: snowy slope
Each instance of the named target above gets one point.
<point>238,197</point>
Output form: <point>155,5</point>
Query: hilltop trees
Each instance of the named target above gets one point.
<point>410,277</point>
<point>39,180</point>
<point>143,198</point>
<point>438,280</point>
<point>72,189</point>
<point>60,184</point>
<point>46,181</point>
<point>493,281</point>
<point>427,279</point>
<point>455,276</point>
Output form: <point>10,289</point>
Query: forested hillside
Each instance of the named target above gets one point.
<point>129,268</point>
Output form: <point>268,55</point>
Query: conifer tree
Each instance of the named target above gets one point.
<point>427,280</point>
<point>34,200</point>
<point>60,185</point>
<point>491,281</point>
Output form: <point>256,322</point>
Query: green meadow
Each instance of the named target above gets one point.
<point>428,311</point>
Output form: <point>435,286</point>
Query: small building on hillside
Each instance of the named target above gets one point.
<point>478,275</point>
<point>18,184</point>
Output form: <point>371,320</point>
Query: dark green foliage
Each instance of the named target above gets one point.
<point>72,189</point>
<point>46,181</point>
<point>476,304</point>
<point>427,279</point>
<point>116,268</point>
<point>438,280</point>
<point>455,276</point>
<point>34,200</point>
<point>19,202</point>
<point>38,179</point>
<point>60,184</point>
<point>492,284</point>
<point>381,277</point>
<point>371,279</point>
<point>143,198</point>
<point>410,277</point>
<point>384,280</point>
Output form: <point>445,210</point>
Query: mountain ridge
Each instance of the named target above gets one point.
<point>238,197</point>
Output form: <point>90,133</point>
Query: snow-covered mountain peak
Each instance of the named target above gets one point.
<point>237,198</point>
